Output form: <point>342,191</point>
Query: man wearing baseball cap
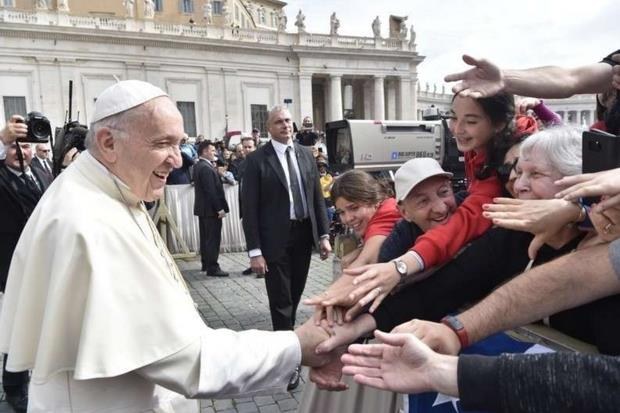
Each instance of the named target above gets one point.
<point>101,314</point>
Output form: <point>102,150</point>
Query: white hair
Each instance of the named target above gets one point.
<point>120,122</point>
<point>560,145</point>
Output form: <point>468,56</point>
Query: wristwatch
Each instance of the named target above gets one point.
<point>401,267</point>
<point>458,328</point>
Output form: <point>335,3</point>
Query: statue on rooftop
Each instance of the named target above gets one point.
<point>129,7</point>
<point>282,21</point>
<point>149,9</point>
<point>300,22</point>
<point>376,27</point>
<point>412,36</point>
<point>207,12</point>
<point>334,24</point>
<point>63,5</point>
<point>403,28</point>
<point>42,4</point>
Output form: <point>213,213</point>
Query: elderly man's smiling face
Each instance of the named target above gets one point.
<point>149,150</point>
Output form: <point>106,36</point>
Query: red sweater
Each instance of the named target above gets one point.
<point>383,220</point>
<point>441,243</point>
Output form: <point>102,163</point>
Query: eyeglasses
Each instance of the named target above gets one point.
<point>504,170</point>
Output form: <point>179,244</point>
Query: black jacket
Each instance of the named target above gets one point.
<point>17,202</point>
<point>209,195</point>
<point>265,200</point>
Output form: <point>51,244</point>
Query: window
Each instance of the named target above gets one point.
<point>159,6</point>
<point>259,118</point>
<point>14,105</point>
<point>189,117</point>
<point>8,3</point>
<point>186,6</point>
<point>217,7</point>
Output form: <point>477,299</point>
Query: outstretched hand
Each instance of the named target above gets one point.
<point>593,184</point>
<point>402,363</point>
<point>483,80</point>
<point>542,217</point>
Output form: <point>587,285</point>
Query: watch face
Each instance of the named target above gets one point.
<point>401,267</point>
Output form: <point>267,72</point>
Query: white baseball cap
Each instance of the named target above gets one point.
<point>122,96</point>
<point>415,171</point>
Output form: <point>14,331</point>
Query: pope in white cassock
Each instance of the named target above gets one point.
<point>102,315</point>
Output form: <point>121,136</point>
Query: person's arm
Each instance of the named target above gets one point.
<point>539,383</point>
<point>567,282</point>
<point>370,251</point>
<point>225,363</point>
<point>487,79</point>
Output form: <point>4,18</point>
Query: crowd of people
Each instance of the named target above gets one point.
<point>440,270</point>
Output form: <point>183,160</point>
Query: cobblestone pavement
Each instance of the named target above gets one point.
<point>239,302</point>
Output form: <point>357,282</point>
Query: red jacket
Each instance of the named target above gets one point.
<point>441,243</point>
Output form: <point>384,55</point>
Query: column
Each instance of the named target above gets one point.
<point>404,107</point>
<point>305,95</point>
<point>379,99</point>
<point>335,97</point>
<point>413,96</point>
<point>391,100</point>
<point>368,112</point>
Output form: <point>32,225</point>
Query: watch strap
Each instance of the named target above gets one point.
<point>458,328</point>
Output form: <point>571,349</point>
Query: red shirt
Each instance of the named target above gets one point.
<point>383,220</point>
<point>441,243</point>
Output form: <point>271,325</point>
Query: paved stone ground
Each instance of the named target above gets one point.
<point>239,302</point>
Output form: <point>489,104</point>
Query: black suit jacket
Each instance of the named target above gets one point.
<point>17,202</point>
<point>208,191</point>
<point>42,174</point>
<point>266,204</point>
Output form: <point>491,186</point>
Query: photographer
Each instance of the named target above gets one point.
<point>20,190</point>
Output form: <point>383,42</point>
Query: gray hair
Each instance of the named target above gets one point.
<point>276,109</point>
<point>560,145</point>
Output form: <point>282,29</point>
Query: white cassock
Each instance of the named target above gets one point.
<point>93,308</point>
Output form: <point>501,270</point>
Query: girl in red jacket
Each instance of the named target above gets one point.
<point>483,129</point>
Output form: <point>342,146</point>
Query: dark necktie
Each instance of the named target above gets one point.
<point>31,184</point>
<point>47,168</point>
<point>294,184</point>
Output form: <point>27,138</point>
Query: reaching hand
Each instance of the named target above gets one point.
<point>346,333</point>
<point>484,80</point>
<point>329,376</point>
<point>526,103</point>
<point>606,223</point>
<point>542,217</point>
<point>402,364</point>
<point>437,336</point>
<point>594,184</point>
<point>310,336</point>
<point>374,282</point>
<point>336,295</point>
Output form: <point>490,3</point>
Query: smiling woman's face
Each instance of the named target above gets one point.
<point>355,215</point>
<point>471,126</point>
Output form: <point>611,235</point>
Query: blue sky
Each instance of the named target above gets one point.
<point>514,34</point>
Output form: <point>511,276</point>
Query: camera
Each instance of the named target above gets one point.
<point>39,129</point>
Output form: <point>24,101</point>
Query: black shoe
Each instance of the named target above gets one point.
<point>217,273</point>
<point>18,402</point>
<point>247,271</point>
<point>293,383</point>
<point>260,275</point>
